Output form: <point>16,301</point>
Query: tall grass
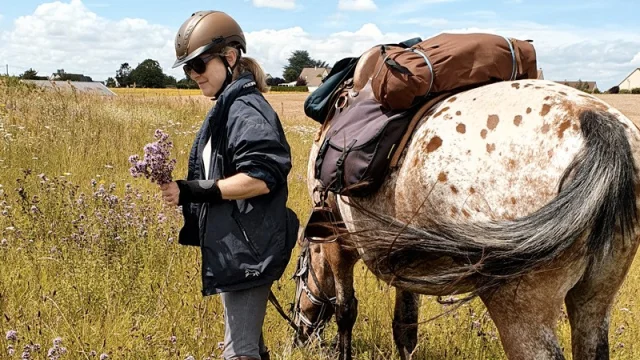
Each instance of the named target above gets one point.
<point>89,259</point>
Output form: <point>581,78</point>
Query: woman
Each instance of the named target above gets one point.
<point>234,197</point>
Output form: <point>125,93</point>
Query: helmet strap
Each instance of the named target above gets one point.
<point>229,76</point>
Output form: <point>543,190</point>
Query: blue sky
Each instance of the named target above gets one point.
<point>590,40</point>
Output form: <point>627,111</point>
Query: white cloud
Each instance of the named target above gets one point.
<point>277,4</point>
<point>410,6</point>
<point>69,36</point>
<point>356,5</point>
<point>273,47</point>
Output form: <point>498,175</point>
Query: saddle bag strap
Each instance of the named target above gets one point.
<point>412,125</point>
<point>320,157</point>
<point>340,165</point>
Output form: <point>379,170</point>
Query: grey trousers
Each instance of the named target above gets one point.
<point>243,318</point>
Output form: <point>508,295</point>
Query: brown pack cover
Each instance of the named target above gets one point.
<point>448,62</point>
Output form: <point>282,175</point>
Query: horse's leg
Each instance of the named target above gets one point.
<point>526,313</point>
<point>589,303</point>
<point>405,322</point>
<point>342,262</point>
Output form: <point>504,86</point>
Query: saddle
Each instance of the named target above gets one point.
<point>371,115</point>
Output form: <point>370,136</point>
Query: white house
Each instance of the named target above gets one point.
<point>313,76</point>
<point>632,81</point>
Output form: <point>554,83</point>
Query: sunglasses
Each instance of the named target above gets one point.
<point>198,64</point>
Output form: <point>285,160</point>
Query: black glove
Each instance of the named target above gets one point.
<point>199,191</point>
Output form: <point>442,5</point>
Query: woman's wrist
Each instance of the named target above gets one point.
<point>198,191</point>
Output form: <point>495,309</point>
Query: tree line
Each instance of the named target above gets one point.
<point>149,74</point>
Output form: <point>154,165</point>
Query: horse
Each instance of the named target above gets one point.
<point>523,193</point>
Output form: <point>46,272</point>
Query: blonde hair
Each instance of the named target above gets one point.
<point>251,65</point>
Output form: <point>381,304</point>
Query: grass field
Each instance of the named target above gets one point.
<point>89,263</point>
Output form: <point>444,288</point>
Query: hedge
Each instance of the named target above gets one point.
<point>289,88</point>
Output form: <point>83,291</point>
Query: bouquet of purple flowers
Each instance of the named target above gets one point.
<point>156,164</point>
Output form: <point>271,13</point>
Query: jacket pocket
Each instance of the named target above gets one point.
<point>252,247</point>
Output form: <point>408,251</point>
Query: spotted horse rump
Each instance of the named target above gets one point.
<point>520,192</point>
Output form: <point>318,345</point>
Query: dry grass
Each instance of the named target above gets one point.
<point>103,272</point>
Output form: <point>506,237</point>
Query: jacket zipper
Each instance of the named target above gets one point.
<point>246,238</point>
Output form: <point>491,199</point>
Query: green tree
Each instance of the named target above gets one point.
<point>170,81</point>
<point>298,60</point>
<point>187,83</point>
<point>31,75</point>
<point>110,82</point>
<point>148,74</point>
<point>123,75</point>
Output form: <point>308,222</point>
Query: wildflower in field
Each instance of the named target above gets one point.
<point>12,335</point>
<point>155,164</point>
<point>104,356</point>
<point>190,357</point>
<point>173,339</point>
<point>11,350</point>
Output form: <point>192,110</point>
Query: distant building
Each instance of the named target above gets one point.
<point>589,86</point>
<point>94,87</point>
<point>632,81</point>
<point>61,75</point>
<point>540,74</point>
<point>314,76</point>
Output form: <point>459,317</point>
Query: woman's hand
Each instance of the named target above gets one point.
<point>170,193</point>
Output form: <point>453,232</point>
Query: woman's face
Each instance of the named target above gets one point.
<point>213,77</point>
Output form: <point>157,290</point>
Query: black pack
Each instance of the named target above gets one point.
<point>320,101</point>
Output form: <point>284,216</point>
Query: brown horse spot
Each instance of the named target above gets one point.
<point>512,164</point>
<point>448,117</point>
<point>545,128</point>
<point>528,85</point>
<point>513,200</point>
<point>491,148</point>
<point>454,210</point>
<point>492,121</point>
<point>458,113</point>
<point>461,128</point>
<point>483,133</point>
<point>441,111</point>
<point>515,85</point>
<point>550,153</point>
<point>576,127</point>
<point>547,98</point>
<point>416,160</point>
<point>545,109</point>
<point>564,126</point>
<point>434,144</point>
<point>454,189</point>
<point>452,99</point>
<point>472,191</point>
<point>563,93</point>
<point>466,213</point>
<point>528,110</point>
<point>517,120</point>
<point>442,177</point>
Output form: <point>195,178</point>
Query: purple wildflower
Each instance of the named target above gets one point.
<point>11,350</point>
<point>173,339</point>
<point>57,341</point>
<point>155,165</point>
<point>12,335</point>
<point>190,357</point>
<point>104,357</point>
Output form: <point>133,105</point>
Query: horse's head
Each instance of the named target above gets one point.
<point>314,304</point>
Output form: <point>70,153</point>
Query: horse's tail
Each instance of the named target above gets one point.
<point>596,195</point>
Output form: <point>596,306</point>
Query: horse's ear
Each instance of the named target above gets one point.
<point>365,68</point>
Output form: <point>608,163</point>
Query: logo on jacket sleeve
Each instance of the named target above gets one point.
<point>251,272</point>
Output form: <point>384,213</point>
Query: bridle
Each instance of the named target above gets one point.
<point>304,268</point>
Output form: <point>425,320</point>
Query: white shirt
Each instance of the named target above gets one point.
<point>206,158</point>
